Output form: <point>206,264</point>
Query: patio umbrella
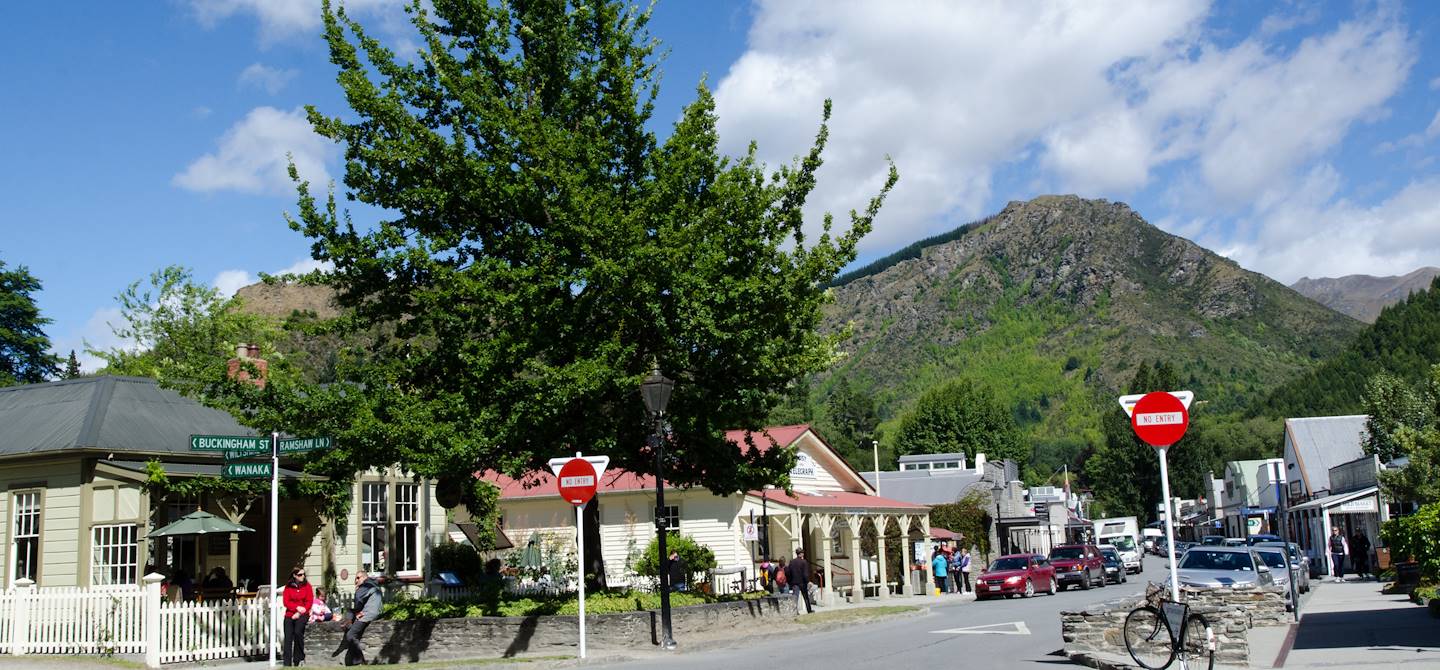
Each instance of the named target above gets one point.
<point>199,523</point>
<point>530,557</point>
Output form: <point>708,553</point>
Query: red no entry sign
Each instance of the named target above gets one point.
<point>577,480</point>
<point>1160,419</point>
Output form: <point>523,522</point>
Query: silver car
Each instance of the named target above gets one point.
<point>1299,562</point>
<point>1280,569</point>
<point>1211,567</point>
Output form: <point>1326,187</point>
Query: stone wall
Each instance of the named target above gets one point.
<point>444,639</point>
<point>1230,611</point>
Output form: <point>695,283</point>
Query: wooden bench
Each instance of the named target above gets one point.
<point>870,589</point>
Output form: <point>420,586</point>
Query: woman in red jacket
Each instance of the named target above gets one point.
<point>299,597</point>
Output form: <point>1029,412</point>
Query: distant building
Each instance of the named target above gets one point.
<point>1315,444</point>
<point>1249,499</point>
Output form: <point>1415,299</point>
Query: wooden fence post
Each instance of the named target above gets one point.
<point>152,619</point>
<point>20,621</point>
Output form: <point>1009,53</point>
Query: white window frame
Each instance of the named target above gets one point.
<point>374,519</point>
<point>407,530</point>
<point>114,554</point>
<point>672,519</point>
<point>25,529</point>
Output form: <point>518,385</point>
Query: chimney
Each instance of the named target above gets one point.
<point>979,464</point>
<point>247,356</point>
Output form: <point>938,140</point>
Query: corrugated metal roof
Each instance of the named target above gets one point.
<point>925,487</point>
<point>129,415</point>
<point>1323,442</point>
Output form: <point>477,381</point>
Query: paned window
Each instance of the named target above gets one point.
<point>114,555</point>
<point>26,530</point>
<point>373,517</point>
<point>407,527</point>
<point>672,517</point>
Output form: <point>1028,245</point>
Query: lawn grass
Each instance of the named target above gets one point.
<point>859,614</point>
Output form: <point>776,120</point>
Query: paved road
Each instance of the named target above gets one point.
<point>913,642</point>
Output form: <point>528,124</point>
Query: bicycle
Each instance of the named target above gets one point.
<point>1153,642</point>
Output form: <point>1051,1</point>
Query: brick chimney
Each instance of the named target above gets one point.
<point>248,354</point>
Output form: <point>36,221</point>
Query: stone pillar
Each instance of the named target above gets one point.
<point>880,530</point>
<point>826,524</point>
<point>925,560</point>
<point>857,583</point>
<point>797,534</point>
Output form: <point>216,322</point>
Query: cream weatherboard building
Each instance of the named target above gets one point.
<point>830,509</point>
<point>75,510</point>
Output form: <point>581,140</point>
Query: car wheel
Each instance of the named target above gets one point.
<point>1124,579</point>
<point>1103,581</point>
<point>1086,581</point>
<point>1054,587</point>
<point>1029,588</point>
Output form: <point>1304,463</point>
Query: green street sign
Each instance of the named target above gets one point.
<point>239,455</point>
<point>245,470</point>
<point>229,443</point>
<point>304,444</point>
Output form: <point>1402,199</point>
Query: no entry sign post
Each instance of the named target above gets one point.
<point>578,478</point>
<point>1159,420</point>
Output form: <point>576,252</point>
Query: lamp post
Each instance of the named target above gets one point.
<point>765,522</point>
<point>998,489</point>
<point>655,391</point>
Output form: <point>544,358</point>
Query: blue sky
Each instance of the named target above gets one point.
<point>1297,138</point>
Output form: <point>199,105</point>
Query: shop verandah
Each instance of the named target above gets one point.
<point>844,534</point>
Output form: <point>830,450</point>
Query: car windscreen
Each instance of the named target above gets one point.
<point>1122,543</point>
<point>1274,559</point>
<point>1201,559</point>
<point>1110,555</point>
<point>1007,564</point>
<point>1067,552</point>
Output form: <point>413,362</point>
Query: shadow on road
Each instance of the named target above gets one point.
<point>1396,628</point>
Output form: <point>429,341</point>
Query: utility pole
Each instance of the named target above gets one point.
<point>875,452</point>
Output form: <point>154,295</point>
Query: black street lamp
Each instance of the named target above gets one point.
<point>999,539</point>
<point>765,522</point>
<point>655,391</point>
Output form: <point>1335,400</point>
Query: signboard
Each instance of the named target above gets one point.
<point>804,466</point>
<point>235,455</point>
<point>1358,506</point>
<point>1159,419</point>
<point>304,444</point>
<point>752,532</point>
<point>246,470</point>
<point>1254,524</point>
<point>577,481</point>
<point>229,443</point>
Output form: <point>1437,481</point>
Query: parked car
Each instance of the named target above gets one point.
<point>1182,547</point>
<point>1211,540</point>
<point>1210,567</point>
<point>1078,564</point>
<point>1016,575</point>
<point>1299,562</point>
<point>1114,565</point>
<point>1261,537</point>
<point>1280,570</point>
<point>1235,542</point>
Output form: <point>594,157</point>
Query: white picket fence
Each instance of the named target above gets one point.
<point>130,620</point>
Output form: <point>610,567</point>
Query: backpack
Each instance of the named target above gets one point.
<point>780,578</point>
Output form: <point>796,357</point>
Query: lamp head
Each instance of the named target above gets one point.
<point>655,391</point>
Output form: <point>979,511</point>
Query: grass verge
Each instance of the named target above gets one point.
<point>855,614</point>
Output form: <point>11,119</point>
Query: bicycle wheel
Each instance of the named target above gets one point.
<point>1197,647</point>
<point>1147,638</point>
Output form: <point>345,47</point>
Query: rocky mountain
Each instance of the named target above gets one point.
<point>1363,296</point>
<point>279,300</point>
<point>1054,302</point>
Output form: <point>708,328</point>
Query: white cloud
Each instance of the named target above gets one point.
<point>252,155</point>
<point>95,334</point>
<point>304,266</point>
<point>230,281</point>
<point>201,111</point>
<point>272,80</point>
<point>283,19</point>
<point>1101,95</point>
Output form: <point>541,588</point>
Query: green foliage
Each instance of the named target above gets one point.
<point>72,367</point>
<point>970,516</point>
<point>1416,536</point>
<point>849,421</point>
<point>696,557</point>
<point>458,558</point>
<point>906,253</point>
<point>1401,342</point>
<point>959,417</point>
<point>1393,405</point>
<point>24,348</point>
<point>543,252</point>
<point>603,602</point>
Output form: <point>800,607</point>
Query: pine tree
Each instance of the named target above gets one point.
<point>25,356</point>
<point>72,367</point>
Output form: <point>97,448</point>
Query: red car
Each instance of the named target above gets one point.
<point>1016,574</point>
<point>1079,564</point>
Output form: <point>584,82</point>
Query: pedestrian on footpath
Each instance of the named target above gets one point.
<point>797,575</point>
<point>965,570</point>
<point>939,565</point>
<point>781,582</point>
<point>368,600</point>
<point>1339,549</point>
<point>1360,556</point>
<point>298,597</point>
<point>954,557</point>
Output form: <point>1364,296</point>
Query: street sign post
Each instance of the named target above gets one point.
<point>1159,420</point>
<point>246,470</point>
<point>229,443</point>
<point>295,444</point>
<point>577,479</point>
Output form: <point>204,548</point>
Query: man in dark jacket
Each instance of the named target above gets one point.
<point>679,574</point>
<point>368,600</point>
<point>797,575</point>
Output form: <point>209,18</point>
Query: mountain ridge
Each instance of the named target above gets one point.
<point>1364,296</point>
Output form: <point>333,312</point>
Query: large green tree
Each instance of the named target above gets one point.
<point>849,424</point>
<point>540,252</point>
<point>960,417</point>
<point>25,356</point>
<point>1391,404</point>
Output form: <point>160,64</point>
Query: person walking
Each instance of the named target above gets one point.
<point>965,570</point>
<point>298,597</point>
<point>679,576</point>
<point>1360,554</point>
<point>1339,549</point>
<point>939,565</point>
<point>781,582</point>
<point>954,557</point>
<point>368,601</point>
<point>797,576</point>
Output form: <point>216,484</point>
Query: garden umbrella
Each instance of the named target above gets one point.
<point>530,557</point>
<point>199,523</point>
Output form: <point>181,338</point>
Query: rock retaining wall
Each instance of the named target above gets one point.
<point>444,639</point>
<point>1230,611</point>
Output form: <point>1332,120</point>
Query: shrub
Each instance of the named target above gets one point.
<point>696,557</point>
<point>1416,536</point>
<point>461,559</point>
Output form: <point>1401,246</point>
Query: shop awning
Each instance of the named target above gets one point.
<point>1335,500</point>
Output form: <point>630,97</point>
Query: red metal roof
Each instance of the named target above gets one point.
<point>540,484</point>
<point>939,533</point>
